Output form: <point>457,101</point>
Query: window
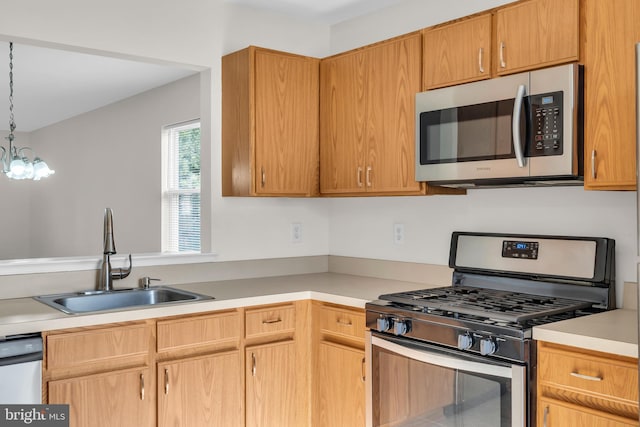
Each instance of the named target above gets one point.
<point>181,188</point>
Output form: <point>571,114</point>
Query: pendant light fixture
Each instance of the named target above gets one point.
<point>15,163</point>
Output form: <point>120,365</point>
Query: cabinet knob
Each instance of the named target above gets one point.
<point>481,60</point>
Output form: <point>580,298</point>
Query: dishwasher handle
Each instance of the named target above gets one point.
<point>20,350</point>
<point>23,358</point>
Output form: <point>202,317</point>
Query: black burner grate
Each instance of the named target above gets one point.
<point>492,304</point>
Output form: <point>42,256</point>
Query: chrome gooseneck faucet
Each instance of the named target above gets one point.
<point>108,274</point>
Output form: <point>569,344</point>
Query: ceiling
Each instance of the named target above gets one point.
<point>325,11</point>
<point>50,85</point>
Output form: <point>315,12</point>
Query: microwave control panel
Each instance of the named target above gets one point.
<point>546,126</point>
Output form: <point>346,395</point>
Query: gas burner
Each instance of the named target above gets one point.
<point>506,307</point>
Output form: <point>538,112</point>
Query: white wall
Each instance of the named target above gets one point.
<point>109,157</point>
<point>14,234</point>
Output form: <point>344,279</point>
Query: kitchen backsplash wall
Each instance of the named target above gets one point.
<point>364,227</point>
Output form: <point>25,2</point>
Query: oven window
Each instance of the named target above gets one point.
<point>409,393</point>
<point>469,133</point>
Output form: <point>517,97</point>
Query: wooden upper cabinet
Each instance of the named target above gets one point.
<point>367,119</point>
<point>269,124</point>
<point>456,53</point>
<point>611,29</point>
<point>535,34</point>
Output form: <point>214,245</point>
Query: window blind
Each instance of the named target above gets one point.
<point>181,189</point>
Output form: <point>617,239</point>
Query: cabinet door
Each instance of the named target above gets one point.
<point>457,53</point>
<point>121,398</point>
<point>204,391</point>
<point>611,31</point>
<point>271,396</point>
<point>394,78</point>
<point>343,122</point>
<point>535,34</point>
<point>557,414</point>
<point>341,392</point>
<point>286,109</point>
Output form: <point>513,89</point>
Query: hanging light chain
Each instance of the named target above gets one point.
<point>12,123</point>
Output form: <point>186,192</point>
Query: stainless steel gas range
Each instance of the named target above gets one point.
<point>463,355</point>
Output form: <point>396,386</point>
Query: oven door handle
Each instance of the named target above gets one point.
<point>444,360</point>
<point>515,125</point>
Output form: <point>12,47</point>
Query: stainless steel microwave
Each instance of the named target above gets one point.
<point>519,130</point>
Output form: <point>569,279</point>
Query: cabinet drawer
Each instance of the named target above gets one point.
<point>588,373</point>
<point>98,345</point>
<point>270,320</point>
<point>343,321</point>
<point>198,331</point>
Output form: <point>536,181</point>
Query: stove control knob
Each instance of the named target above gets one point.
<point>383,324</point>
<point>400,327</point>
<point>487,346</point>
<point>465,341</point>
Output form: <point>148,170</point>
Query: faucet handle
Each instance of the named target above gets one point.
<point>145,282</point>
<point>121,273</point>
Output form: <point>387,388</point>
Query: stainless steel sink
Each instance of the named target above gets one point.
<point>86,302</point>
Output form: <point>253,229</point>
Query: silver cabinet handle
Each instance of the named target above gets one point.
<point>503,64</point>
<point>263,176</point>
<point>141,386</point>
<point>515,125</point>
<point>270,321</point>
<point>253,364</point>
<point>368,176</point>
<point>363,377</point>
<point>585,377</point>
<point>359,176</point>
<point>593,164</point>
<point>546,415</point>
<point>480,60</point>
<point>166,381</point>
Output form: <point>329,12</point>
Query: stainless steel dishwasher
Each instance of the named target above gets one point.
<point>21,369</point>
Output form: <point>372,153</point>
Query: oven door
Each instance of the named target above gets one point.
<point>416,384</point>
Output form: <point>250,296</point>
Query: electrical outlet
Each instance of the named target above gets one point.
<point>398,233</point>
<point>296,232</point>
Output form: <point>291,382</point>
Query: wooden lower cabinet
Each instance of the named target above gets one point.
<point>201,391</point>
<point>338,397</point>
<point>341,380</point>
<point>121,398</point>
<point>578,387</point>
<point>270,385</point>
<point>559,414</point>
<point>292,364</point>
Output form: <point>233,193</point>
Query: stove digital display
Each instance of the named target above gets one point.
<point>519,249</point>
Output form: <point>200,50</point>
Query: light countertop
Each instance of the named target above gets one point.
<point>25,315</point>
<point>614,331</point>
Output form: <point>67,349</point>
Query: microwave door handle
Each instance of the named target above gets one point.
<point>515,125</point>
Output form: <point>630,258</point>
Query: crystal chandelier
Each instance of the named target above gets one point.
<point>15,163</point>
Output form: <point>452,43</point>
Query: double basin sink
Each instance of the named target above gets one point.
<point>94,301</point>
